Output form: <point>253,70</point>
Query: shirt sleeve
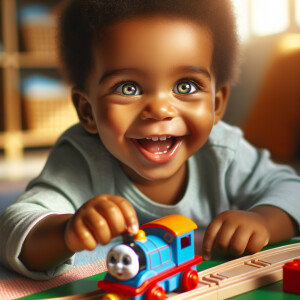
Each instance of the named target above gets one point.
<point>253,179</point>
<point>62,187</point>
<point>18,220</point>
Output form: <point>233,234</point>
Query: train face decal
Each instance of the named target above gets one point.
<point>122,262</point>
<point>160,259</point>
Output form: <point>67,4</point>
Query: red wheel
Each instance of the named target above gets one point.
<point>156,293</point>
<point>189,279</point>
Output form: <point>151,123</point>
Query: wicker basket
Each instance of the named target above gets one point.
<point>49,116</point>
<point>39,37</point>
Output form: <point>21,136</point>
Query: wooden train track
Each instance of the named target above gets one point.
<point>242,275</point>
<point>231,278</point>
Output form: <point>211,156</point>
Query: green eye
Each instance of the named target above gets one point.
<point>184,87</point>
<point>128,89</point>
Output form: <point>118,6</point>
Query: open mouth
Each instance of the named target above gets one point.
<point>158,145</point>
<point>158,149</point>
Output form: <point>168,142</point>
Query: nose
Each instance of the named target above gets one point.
<point>119,266</point>
<point>159,108</point>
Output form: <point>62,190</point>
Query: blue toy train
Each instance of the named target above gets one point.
<point>160,259</point>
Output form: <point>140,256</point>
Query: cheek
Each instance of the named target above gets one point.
<point>112,121</point>
<point>200,117</point>
<point>111,269</point>
<point>200,121</point>
<point>132,269</point>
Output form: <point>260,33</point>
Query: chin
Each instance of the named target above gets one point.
<point>158,173</point>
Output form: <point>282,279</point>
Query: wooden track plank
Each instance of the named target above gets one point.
<point>244,274</point>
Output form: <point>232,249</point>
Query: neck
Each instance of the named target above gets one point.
<point>167,191</point>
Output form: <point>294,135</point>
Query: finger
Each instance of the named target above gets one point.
<point>256,242</point>
<point>112,214</point>
<point>209,238</point>
<point>81,236</point>
<point>71,239</point>
<point>239,241</point>
<point>98,226</point>
<point>224,236</point>
<point>128,212</point>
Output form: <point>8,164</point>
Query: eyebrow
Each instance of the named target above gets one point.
<point>117,72</point>
<point>195,69</point>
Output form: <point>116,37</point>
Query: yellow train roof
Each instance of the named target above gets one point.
<point>176,224</point>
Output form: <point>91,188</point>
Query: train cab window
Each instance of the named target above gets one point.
<point>185,241</point>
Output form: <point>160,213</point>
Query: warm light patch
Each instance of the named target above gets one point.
<point>269,16</point>
<point>241,9</point>
<point>290,43</point>
<point>297,11</point>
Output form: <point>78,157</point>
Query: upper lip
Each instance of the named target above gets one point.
<point>174,128</point>
<point>154,135</point>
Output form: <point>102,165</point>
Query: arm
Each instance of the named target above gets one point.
<point>232,232</point>
<point>57,237</point>
<point>267,195</point>
<point>44,247</point>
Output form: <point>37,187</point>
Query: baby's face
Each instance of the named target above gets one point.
<point>152,93</point>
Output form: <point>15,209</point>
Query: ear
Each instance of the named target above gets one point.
<point>84,111</point>
<point>221,99</point>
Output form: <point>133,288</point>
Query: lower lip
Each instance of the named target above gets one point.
<point>159,158</point>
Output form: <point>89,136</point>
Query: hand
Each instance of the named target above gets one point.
<point>232,232</point>
<point>98,221</point>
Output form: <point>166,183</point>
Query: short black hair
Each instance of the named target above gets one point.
<point>82,21</point>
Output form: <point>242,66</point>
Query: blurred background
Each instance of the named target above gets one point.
<point>35,104</point>
<point>265,102</point>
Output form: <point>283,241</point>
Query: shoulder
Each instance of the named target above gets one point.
<point>224,137</point>
<point>76,149</point>
<point>77,138</point>
<point>223,146</point>
<point>78,164</point>
<point>77,135</point>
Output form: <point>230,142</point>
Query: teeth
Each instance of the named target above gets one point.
<point>161,152</point>
<point>156,138</point>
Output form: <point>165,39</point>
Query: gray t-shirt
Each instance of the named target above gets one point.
<point>225,172</point>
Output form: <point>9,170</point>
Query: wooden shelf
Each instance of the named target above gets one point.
<point>28,60</point>
<point>14,139</point>
<point>15,142</point>
<point>1,59</point>
<point>38,139</point>
<point>2,140</point>
<point>37,60</point>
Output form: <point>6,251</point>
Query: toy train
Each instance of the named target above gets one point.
<point>160,259</point>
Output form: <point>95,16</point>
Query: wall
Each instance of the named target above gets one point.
<point>256,55</point>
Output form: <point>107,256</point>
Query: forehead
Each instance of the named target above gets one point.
<point>122,249</point>
<point>154,41</point>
